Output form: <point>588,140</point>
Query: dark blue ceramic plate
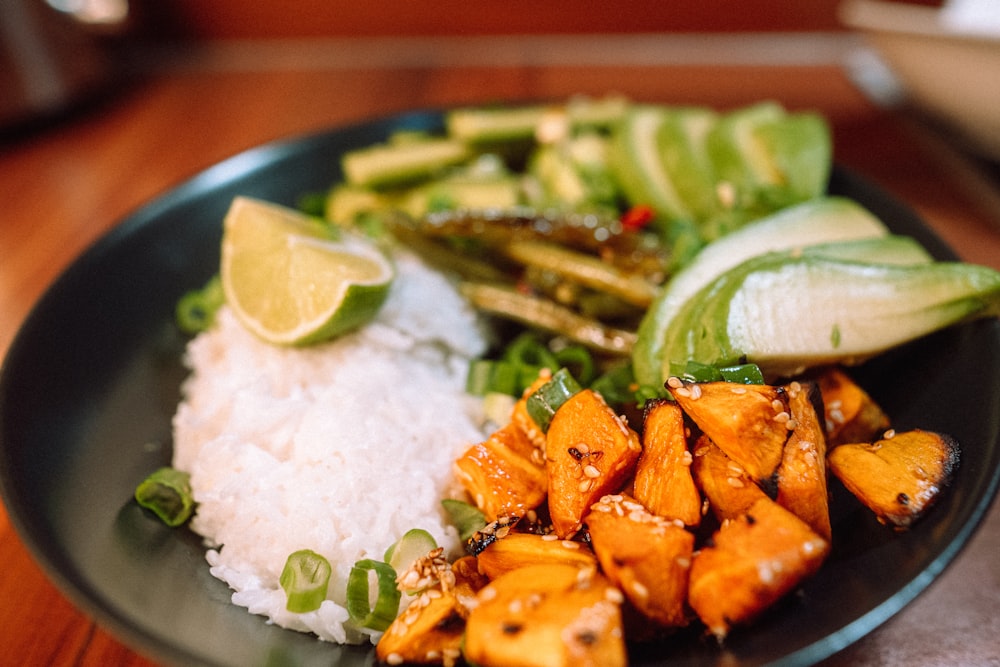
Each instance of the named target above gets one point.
<point>90,383</point>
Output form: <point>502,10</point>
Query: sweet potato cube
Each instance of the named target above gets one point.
<point>516,550</point>
<point>752,563</point>
<point>898,477</point>
<point>802,474</point>
<point>547,616</point>
<point>730,491</point>
<point>663,481</point>
<point>747,421</point>
<point>850,414</point>
<point>590,452</point>
<point>646,556</point>
<point>505,474</point>
<point>430,630</point>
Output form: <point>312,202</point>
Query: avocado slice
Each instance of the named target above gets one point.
<point>790,311</point>
<point>821,220</point>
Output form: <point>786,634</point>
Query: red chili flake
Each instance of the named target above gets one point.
<point>637,217</point>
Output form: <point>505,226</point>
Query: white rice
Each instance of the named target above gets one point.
<point>339,448</point>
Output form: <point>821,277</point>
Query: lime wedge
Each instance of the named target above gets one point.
<point>292,280</point>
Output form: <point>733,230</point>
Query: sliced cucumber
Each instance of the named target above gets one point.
<point>787,313</point>
<point>402,162</point>
<point>818,221</point>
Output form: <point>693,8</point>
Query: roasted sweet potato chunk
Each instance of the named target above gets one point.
<point>431,628</point>
<point>802,485</point>
<point>753,562</point>
<point>747,421</point>
<point>590,452</point>
<point>547,616</point>
<point>850,414</point>
<point>730,491</point>
<point>522,549</point>
<point>898,477</point>
<point>505,474</point>
<point>663,481</point>
<point>646,556</point>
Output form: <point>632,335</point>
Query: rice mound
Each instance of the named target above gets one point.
<point>339,448</point>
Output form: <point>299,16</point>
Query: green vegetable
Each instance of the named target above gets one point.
<point>696,371</point>
<point>196,309</point>
<point>167,493</point>
<point>790,312</point>
<point>547,399</point>
<point>544,314</point>
<point>415,543</point>
<point>466,518</point>
<point>637,161</point>
<point>304,579</point>
<point>488,376</point>
<point>586,270</point>
<point>363,611</point>
<point>821,220</point>
<point>402,163</point>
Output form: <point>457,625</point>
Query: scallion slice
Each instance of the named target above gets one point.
<point>466,518</point>
<point>167,493</point>
<point>542,404</point>
<point>377,615</point>
<point>196,309</point>
<point>304,579</point>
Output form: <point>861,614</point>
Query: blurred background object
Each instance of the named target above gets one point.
<point>946,60</point>
<point>54,54</point>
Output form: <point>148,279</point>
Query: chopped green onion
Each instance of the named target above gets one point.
<point>617,386</point>
<point>415,543</point>
<point>304,579</point>
<point>529,355</point>
<point>695,371</point>
<point>363,612</point>
<point>579,361</point>
<point>196,310</point>
<point>487,376</point>
<point>466,518</point>
<point>542,404</point>
<point>167,493</point>
<point>743,374</point>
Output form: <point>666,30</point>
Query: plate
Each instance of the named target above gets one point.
<point>92,379</point>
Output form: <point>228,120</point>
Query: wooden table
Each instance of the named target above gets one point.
<point>63,187</point>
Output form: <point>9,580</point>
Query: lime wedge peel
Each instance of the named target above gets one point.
<point>292,280</point>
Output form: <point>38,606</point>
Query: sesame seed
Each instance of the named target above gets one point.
<point>890,434</point>
<point>674,382</point>
<point>639,590</point>
<point>394,659</point>
<point>585,485</point>
<point>695,392</point>
<point>686,458</point>
<point>777,405</point>
<point>592,472</point>
<point>583,448</point>
<point>570,544</point>
<point>735,482</point>
<point>614,595</point>
<point>682,391</point>
<point>739,390</point>
<point>551,537</point>
<point>782,417</point>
